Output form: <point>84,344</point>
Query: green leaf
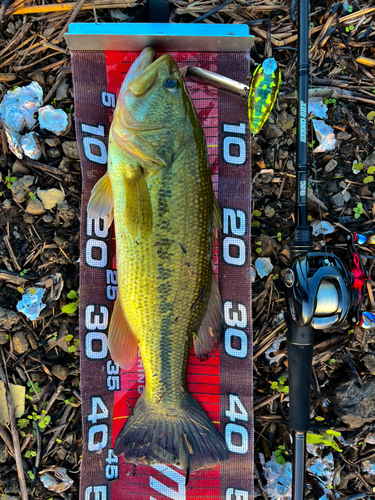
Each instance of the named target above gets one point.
<point>28,454</point>
<point>258,250</point>
<point>72,348</point>
<point>274,385</point>
<point>22,423</point>
<point>357,216</point>
<point>368,179</point>
<point>319,419</point>
<point>282,380</point>
<point>370,116</point>
<point>281,447</point>
<point>371,170</point>
<point>68,338</point>
<point>285,389</point>
<point>72,294</point>
<point>256,213</point>
<point>280,460</point>
<point>70,308</point>
<point>255,224</point>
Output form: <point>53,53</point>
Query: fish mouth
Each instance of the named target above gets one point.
<point>139,65</point>
<point>145,79</point>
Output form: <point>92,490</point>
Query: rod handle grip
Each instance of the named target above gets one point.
<point>300,344</point>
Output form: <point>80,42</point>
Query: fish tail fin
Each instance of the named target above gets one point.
<point>185,436</point>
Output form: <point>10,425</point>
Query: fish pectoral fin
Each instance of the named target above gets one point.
<point>101,200</point>
<point>209,333</point>
<point>122,342</point>
<point>138,208</point>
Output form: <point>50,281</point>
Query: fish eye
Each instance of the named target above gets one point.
<point>171,84</point>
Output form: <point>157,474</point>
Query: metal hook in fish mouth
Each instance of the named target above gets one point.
<point>215,80</point>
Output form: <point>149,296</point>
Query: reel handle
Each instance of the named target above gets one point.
<point>300,343</point>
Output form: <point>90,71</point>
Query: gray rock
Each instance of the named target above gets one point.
<point>4,337</point>
<point>39,77</point>
<point>338,200</point>
<point>48,219</point>
<point>283,154</point>
<point>8,319</point>
<point>66,213</point>
<point>7,204</point>
<point>331,165</point>
<point>62,91</point>
<point>364,191</point>
<point>54,153</point>
<point>60,371</point>
<point>53,142</point>
<point>21,188</point>
<point>29,219</point>
<point>118,15</point>
<point>65,165</point>
<point>35,207</point>
<point>19,168</point>
<point>332,187</point>
<point>370,160</point>
<point>290,165</point>
<point>271,131</point>
<point>286,121</point>
<point>369,361</point>
<point>269,211</point>
<point>354,405</point>
<point>20,342</point>
<point>343,136</point>
<point>50,197</point>
<point>71,149</point>
<point>347,196</point>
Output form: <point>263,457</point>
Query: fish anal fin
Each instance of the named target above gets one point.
<point>138,208</point>
<point>209,332</point>
<point>100,204</point>
<point>122,342</point>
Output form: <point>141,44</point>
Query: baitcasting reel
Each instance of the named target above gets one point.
<point>324,293</point>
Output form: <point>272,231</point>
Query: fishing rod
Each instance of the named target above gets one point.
<point>322,293</point>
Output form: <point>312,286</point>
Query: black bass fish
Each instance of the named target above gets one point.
<point>158,189</point>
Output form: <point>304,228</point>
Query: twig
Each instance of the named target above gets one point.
<point>38,444</point>
<point>212,11</point>
<point>15,437</point>
<point>7,439</point>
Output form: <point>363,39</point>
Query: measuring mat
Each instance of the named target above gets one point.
<point>222,384</point>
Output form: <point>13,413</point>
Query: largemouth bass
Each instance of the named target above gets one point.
<point>158,189</point>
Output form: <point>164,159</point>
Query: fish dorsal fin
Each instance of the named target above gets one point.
<point>209,332</point>
<point>101,200</point>
<point>138,208</point>
<point>122,342</point>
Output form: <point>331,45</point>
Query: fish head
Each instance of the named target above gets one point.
<point>153,111</point>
